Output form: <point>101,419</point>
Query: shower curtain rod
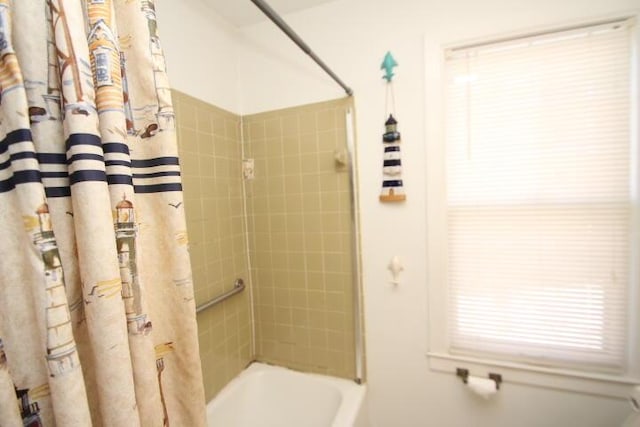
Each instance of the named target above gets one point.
<point>273,15</point>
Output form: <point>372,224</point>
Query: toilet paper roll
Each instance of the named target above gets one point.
<point>634,398</point>
<point>483,387</point>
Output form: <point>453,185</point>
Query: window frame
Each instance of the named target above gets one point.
<point>439,357</point>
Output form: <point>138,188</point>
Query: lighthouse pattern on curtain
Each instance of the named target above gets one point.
<point>90,178</point>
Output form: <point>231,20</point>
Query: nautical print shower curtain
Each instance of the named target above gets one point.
<point>97,315</point>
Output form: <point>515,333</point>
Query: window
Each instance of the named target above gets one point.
<point>534,236</point>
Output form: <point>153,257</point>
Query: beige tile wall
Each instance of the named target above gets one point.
<point>300,232</point>
<point>210,155</point>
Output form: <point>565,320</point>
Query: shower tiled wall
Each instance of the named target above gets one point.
<point>300,231</point>
<point>211,157</point>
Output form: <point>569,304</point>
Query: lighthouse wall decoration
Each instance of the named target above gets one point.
<point>392,186</point>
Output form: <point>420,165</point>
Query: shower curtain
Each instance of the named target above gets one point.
<point>97,315</point>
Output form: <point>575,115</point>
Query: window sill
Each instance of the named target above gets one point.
<point>517,373</point>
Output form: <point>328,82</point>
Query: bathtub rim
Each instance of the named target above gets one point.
<point>352,405</point>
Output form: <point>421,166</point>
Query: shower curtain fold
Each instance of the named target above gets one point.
<point>97,315</point>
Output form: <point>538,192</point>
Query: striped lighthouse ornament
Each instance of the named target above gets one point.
<point>392,189</point>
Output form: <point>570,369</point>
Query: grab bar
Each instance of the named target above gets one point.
<point>238,286</point>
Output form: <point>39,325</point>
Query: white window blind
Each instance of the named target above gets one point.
<point>539,193</point>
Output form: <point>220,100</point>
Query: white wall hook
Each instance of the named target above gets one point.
<point>395,267</point>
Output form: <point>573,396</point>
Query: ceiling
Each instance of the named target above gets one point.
<point>243,12</point>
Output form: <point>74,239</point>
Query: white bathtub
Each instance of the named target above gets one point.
<point>271,396</point>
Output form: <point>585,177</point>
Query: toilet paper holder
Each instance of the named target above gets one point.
<point>463,373</point>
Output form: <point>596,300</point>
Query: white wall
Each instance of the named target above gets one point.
<point>201,50</point>
<point>352,36</point>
